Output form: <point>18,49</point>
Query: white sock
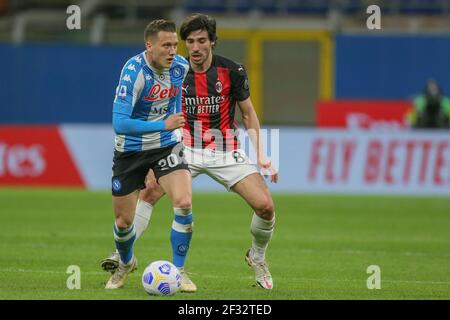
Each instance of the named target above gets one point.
<point>142,217</point>
<point>262,231</point>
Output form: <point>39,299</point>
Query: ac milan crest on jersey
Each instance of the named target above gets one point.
<point>219,86</point>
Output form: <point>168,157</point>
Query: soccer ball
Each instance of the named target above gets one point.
<point>161,278</point>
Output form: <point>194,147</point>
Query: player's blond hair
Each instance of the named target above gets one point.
<point>156,26</point>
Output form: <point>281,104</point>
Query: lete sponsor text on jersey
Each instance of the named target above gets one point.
<point>157,93</point>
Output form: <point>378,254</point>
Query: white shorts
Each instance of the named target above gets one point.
<point>227,168</point>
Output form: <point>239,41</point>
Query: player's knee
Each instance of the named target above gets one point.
<point>124,222</point>
<point>151,196</point>
<point>182,202</point>
<point>265,209</point>
<point>182,211</point>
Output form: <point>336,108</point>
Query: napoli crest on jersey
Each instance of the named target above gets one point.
<point>176,72</point>
<point>116,184</point>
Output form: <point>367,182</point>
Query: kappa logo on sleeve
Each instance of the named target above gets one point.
<point>126,78</point>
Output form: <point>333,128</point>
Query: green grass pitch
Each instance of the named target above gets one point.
<point>321,248</point>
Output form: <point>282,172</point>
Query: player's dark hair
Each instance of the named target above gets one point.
<point>156,26</point>
<point>198,21</point>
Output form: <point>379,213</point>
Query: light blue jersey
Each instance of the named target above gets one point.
<point>149,95</point>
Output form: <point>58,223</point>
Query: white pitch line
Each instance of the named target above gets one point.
<point>211,276</point>
<point>45,271</point>
<point>360,252</point>
<point>345,280</point>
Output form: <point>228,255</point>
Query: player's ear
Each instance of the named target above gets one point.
<point>148,46</point>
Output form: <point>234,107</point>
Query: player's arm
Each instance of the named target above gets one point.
<point>241,92</point>
<point>124,124</point>
<point>129,89</point>
<point>253,127</point>
<point>251,124</point>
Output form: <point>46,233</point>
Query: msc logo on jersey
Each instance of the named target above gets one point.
<point>159,110</point>
<point>176,72</point>
<point>157,93</point>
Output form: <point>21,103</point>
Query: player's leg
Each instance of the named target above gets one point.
<point>124,229</point>
<point>236,173</point>
<point>148,197</point>
<point>129,171</point>
<point>178,187</point>
<point>254,191</point>
<point>124,237</point>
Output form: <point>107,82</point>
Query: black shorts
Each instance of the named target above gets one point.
<point>131,168</point>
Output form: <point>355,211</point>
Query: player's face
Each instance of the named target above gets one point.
<point>199,47</point>
<point>162,49</point>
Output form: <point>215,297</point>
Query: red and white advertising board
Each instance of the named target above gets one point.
<point>406,162</point>
<point>36,156</point>
<point>309,160</point>
<point>363,115</point>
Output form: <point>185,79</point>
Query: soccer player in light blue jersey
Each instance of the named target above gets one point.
<point>146,120</point>
<point>212,89</point>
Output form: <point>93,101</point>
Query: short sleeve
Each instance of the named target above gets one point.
<point>239,83</point>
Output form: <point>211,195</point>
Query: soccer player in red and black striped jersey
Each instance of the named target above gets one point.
<point>210,92</point>
<point>212,88</point>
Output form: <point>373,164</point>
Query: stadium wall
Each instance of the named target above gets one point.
<point>54,83</point>
<point>390,66</point>
<point>62,83</point>
<point>309,160</point>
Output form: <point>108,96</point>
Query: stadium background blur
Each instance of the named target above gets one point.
<point>338,93</point>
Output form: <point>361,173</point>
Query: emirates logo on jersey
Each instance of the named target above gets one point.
<point>203,105</point>
<point>157,93</point>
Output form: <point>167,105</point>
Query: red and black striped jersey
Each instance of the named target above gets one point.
<point>209,101</point>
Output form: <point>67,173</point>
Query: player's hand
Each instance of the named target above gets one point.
<point>175,121</point>
<point>267,169</point>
